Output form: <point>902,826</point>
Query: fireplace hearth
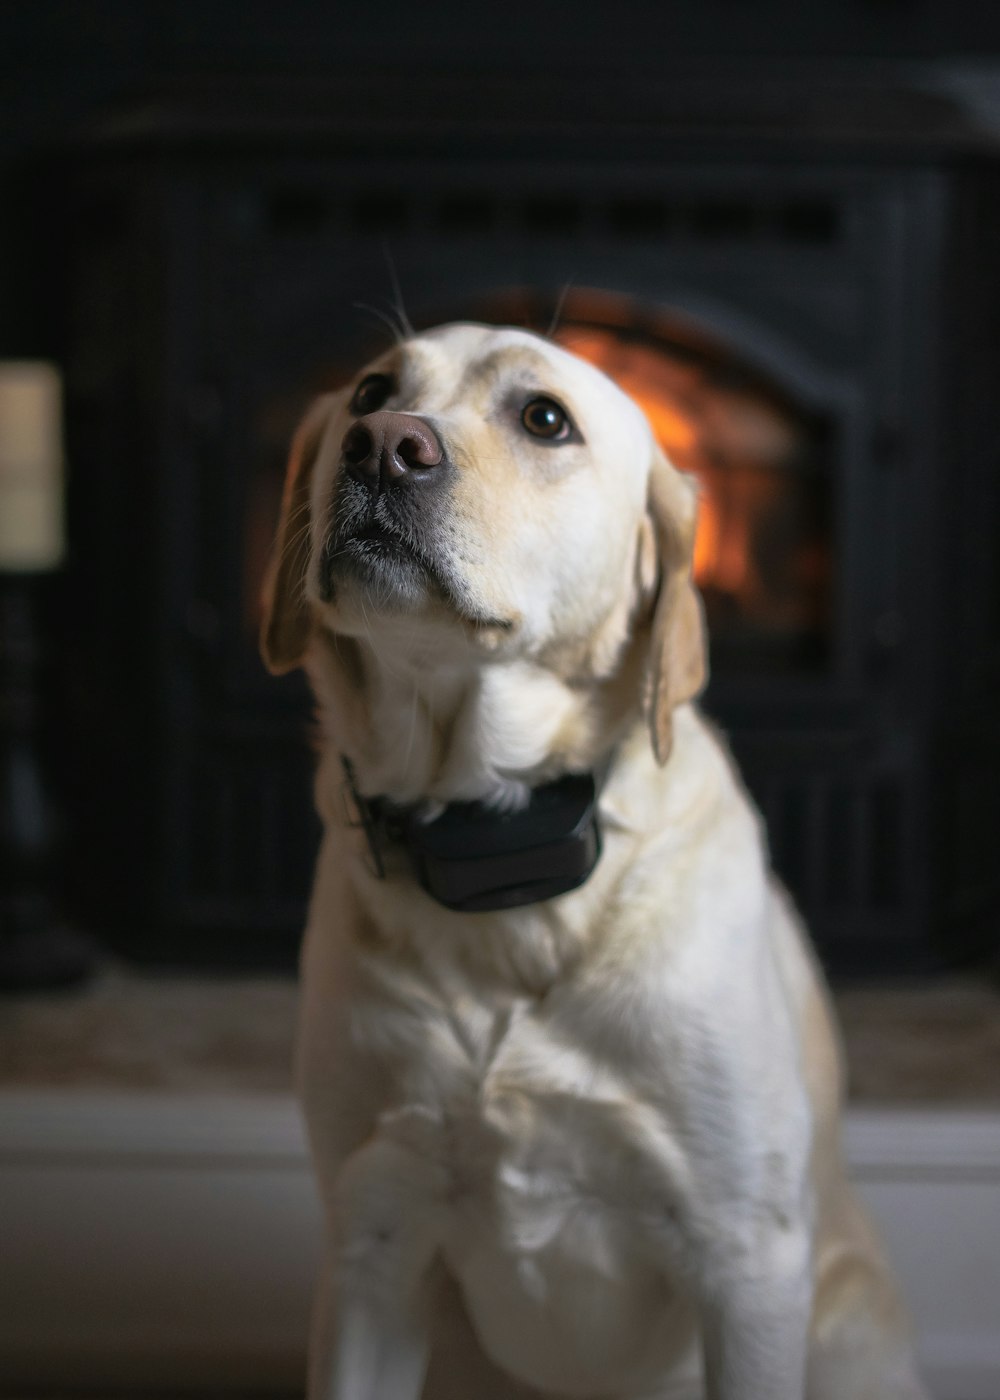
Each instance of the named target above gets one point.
<point>799,287</point>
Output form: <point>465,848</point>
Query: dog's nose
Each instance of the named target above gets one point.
<point>390,449</point>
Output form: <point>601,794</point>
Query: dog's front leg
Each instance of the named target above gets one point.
<point>370,1338</point>
<point>755,1322</point>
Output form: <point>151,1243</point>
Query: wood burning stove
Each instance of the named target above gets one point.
<point>807,310</point>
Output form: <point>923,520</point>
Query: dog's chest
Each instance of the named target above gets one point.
<point>557,1177</point>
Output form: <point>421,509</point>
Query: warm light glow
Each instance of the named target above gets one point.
<point>753,551</point>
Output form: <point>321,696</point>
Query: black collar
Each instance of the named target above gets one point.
<point>474,858</point>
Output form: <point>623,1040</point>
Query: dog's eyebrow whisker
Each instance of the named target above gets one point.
<point>559,307</point>
<point>397,294</point>
<point>397,331</point>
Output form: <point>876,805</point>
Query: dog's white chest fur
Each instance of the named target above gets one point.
<point>553,1177</point>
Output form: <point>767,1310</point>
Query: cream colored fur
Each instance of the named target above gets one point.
<point>589,1147</point>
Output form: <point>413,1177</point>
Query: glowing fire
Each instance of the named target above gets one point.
<point>739,444</point>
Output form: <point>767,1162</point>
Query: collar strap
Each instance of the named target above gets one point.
<point>474,858</point>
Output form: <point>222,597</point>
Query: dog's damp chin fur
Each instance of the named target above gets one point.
<point>376,589</point>
<point>386,574</point>
<point>377,574</point>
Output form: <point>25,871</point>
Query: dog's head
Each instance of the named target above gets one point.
<point>479,493</point>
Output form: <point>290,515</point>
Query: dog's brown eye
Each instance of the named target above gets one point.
<point>371,393</point>
<point>545,418</point>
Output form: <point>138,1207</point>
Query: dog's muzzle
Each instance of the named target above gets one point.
<point>390,498</point>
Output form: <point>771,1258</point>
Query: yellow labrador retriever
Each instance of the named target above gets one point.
<point>568,1066</point>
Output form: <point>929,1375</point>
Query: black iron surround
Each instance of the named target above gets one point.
<point>839,242</point>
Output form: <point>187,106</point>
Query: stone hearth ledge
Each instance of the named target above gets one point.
<point>926,1044</point>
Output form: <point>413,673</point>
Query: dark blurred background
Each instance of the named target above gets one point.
<point>775,223</point>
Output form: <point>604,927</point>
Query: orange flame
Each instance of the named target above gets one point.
<point>732,439</point>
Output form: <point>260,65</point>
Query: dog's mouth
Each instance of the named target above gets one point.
<point>376,544</point>
<point>380,556</point>
<point>392,563</point>
<point>386,552</point>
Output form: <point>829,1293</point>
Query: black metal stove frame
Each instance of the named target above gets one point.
<point>217,262</point>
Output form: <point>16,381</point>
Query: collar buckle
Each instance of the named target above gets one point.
<point>362,815</point>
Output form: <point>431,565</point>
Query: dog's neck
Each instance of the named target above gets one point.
<point>485,731</point>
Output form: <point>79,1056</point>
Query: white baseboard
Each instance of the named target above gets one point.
<point>932,1181</point>
<point>171,1240</point>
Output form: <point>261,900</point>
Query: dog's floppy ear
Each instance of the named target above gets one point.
<point>287,621</point>
<point>678,663</point>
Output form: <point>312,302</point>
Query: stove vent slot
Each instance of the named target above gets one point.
<point>469,214</point>
<point>807,221</point>
<point>737,220</point>
<point>717,220</point>
<point>551,215</point>
<point>381,211</point>
<point>639,218</point>
<point>297,213</point>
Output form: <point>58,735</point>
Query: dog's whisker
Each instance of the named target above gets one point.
<point>293,544</point>
<point>397,294</point>
<point>558,310</point>
<point>413,731</point>
<point>398,332</point>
